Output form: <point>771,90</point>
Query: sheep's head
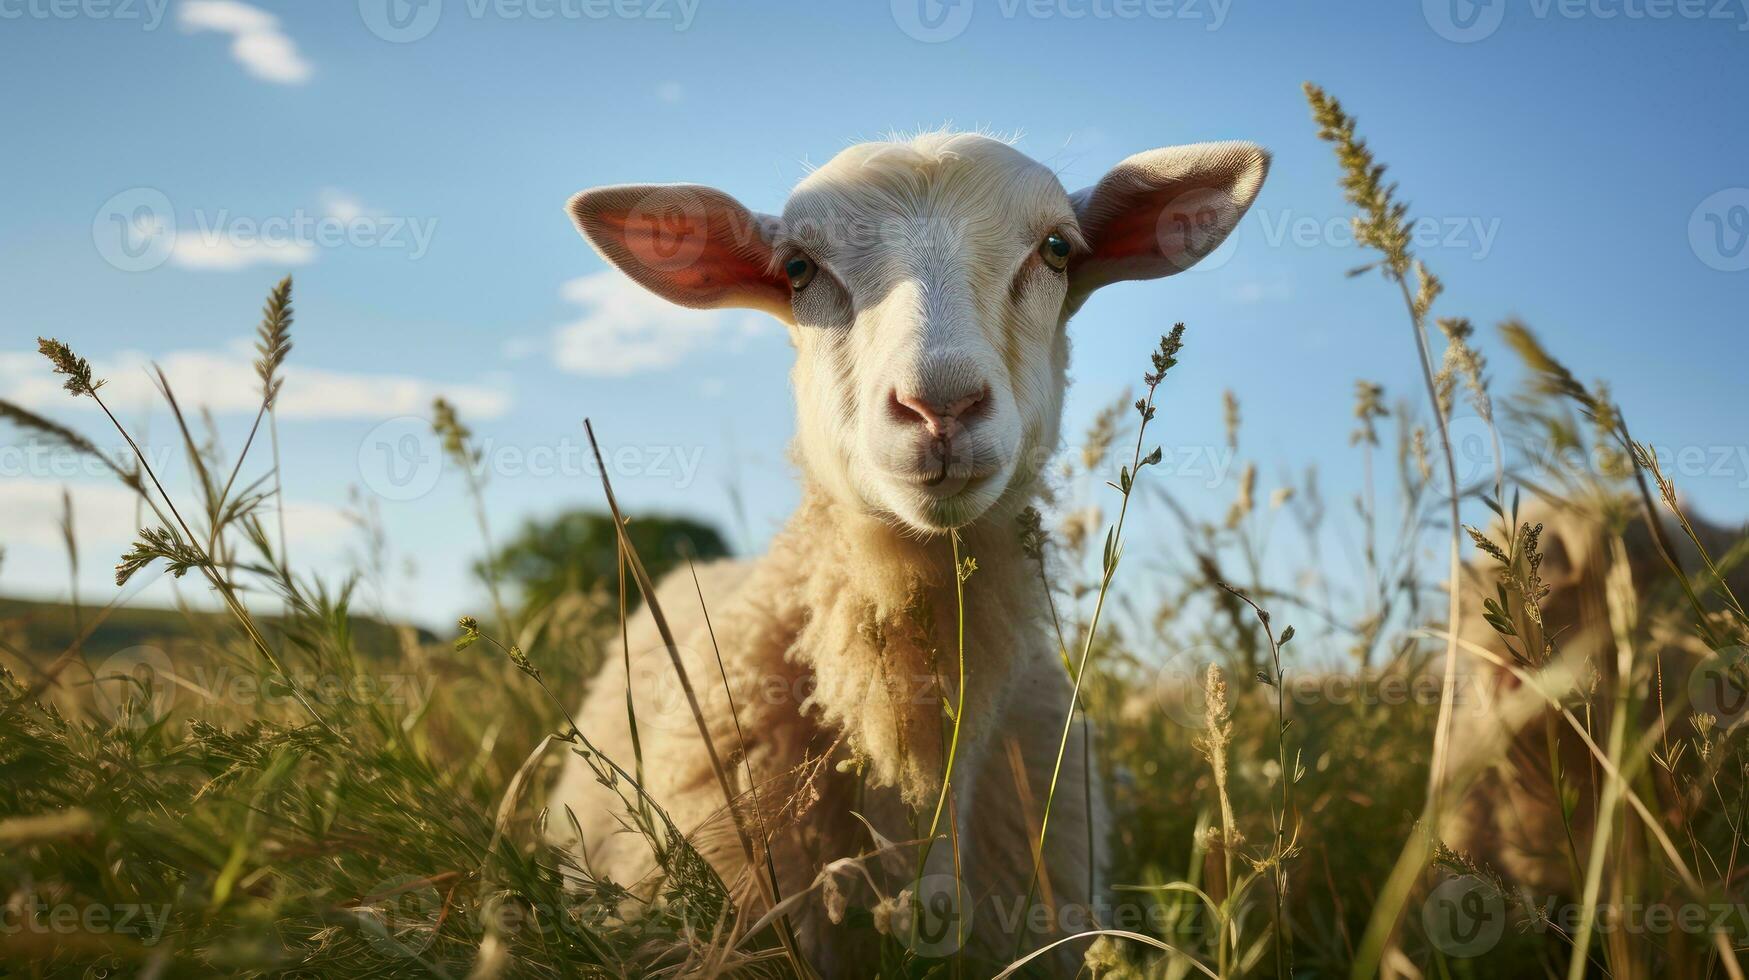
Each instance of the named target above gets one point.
<point>926,284</point>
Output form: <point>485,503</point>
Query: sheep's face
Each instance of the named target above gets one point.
<point>928,308</point>
<point>926,284</point>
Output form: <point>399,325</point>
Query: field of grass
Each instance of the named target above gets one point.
<point>293,788</point>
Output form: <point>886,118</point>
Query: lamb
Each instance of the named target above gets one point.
<point>1508,819</point>
<point>926,284</point>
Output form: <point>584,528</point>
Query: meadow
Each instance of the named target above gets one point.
<point>296,788</point>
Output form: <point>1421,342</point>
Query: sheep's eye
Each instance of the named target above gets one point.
<point>1055,251</point>
<point>800,271</point>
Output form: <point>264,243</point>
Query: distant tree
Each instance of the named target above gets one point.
<point>574,554</point>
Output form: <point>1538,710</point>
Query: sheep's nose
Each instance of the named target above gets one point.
<point>939,418</point>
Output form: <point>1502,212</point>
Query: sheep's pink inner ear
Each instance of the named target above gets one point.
<point>1162,211</point>
<point>692,245</point>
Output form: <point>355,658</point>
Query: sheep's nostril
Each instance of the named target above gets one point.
<point>943,419</point>
<point>911,410</point>
<point>969,407</point>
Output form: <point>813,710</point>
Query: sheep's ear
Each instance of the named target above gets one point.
<point>1162,211</point>
<point>691,245</point>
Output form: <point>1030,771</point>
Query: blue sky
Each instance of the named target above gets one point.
<point>1581,165</point>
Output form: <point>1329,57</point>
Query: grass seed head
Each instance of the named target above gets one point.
<point>76,368</point>
<point>274,339</point>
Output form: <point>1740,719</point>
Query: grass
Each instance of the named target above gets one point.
<point>317,792</point>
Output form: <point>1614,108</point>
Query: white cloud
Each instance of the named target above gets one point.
<point>203,252</point>
<point>219,240</point>
<point>625,329</point>
<point>106,521</point>
<point>225,382</point>
<point>256,40</point>
<point>670,92</point>
<point>110,514</point>
<point>225,16</point>
<point>341,206</point>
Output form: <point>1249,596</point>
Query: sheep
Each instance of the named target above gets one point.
<point>926,284</point>
<point>1508,817</point>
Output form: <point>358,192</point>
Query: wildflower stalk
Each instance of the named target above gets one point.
<point>785,928</point>
<point>1442,727</point>
<point>625,647</point>
<point>1647,460</point>
<point>648,589</point>
<point>962,570</point>
<point>80,382</point>
<point>607,771</point>
<point>1032,544</point>
<point>26,419</point>
<point>1217,719</point>
<point>273,346</point>
<point>455,436</point>
<point>1163,360</point>
<point>1555,379</point>
<point>1619,594</point>
<point>1368,408</point>
<point>278,484</point>
<point>1283,848</point>
<point>1383,225</point>
<point>70,540</point>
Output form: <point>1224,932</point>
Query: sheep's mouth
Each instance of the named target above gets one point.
<point>941,475</point>
<point>936,498</point>
<point>946,480</point>
<point>945,468</point>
